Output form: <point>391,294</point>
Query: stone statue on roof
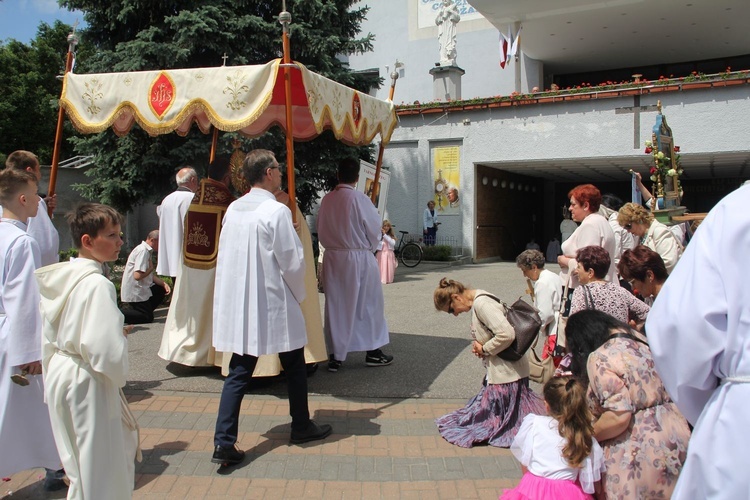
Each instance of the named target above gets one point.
<point>446,21</point>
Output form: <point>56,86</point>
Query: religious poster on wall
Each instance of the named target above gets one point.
<point>366,185</point>
<point>428,11</point>
<point>446,176</point>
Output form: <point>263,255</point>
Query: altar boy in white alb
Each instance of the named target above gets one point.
<point>26,439</point>
<point>40,226</point>
<point>85,360</point>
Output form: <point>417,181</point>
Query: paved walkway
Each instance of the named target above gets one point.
<point>381,447</point>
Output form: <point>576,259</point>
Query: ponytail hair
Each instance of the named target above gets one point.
<point>444,291</point>
<point>566,397</point>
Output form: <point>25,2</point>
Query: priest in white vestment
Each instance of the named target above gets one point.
<point>85,359</point>
<point>349,227</point>
<point>188,330</point>
<point>699,333</point>
<point>171,214</point>
<point>260,282</point>
<point>39,227</point>
<point>26,439</point>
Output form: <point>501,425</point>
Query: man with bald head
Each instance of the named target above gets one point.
<point>141,290</point>
<point>171,214</point>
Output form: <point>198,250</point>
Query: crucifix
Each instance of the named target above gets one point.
<point>636,110</point>
<point>224,58</point>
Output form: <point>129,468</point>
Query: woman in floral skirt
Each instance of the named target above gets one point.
<point>495,414</point>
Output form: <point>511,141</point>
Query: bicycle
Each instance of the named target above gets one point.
<point>409,253</point>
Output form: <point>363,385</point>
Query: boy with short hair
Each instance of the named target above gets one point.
<point>39,227</point>
<point>26,437</point>
<point>85,361</point>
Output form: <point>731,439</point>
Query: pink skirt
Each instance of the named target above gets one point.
<point>387,264</point>
<point>534,487</point>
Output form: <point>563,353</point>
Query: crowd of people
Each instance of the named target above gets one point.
<point>614,422</point>
<point>619,411</point>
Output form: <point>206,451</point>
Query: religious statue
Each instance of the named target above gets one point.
<point>446,21</point>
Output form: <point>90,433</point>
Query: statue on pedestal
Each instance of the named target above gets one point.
<point>446,21</point>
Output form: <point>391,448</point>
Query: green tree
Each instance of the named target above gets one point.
<point>29,92</point>
<point>132,35</point>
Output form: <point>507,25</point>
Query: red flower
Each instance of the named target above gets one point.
<point>653,170</point>
<point>649,150</point>
<point>677,149</point>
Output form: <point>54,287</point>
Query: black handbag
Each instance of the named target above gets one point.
<point>525,320</point>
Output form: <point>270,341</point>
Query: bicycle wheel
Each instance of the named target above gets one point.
<point>411,255</point>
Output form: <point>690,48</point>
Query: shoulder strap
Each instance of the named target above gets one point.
<point>496,300</point>
<point>490,296</point>
<point>588,297</point>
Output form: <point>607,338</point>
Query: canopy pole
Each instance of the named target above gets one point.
<point>381,149</point>
<point>72,42</point>
<point>285,18</point>
<point>214,142</point>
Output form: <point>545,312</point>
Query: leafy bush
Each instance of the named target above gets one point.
<point>65,255</point>
<point>437,252</point>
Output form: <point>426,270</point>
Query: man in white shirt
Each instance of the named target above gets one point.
<point>39,227</point>
<point>260,282</point>
<point>171,214</point>
<point>141,290</point>
<point>349,227</point>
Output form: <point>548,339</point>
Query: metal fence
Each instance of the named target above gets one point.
<point>457,250</point>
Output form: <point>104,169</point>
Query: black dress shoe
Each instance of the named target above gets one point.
<point>312,433</point>
<point>227,456</point>
<point>54,480</point>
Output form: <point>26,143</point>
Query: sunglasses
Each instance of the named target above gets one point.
<point>450,307</point>
<point>627,227</point>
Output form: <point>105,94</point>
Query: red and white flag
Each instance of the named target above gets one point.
<point>504,46</point>
<point>515,44</point>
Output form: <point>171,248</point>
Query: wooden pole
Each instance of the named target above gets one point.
<point>72,42</point>
<point>285,18</point>
<point>214,142</point>
<point>381,149</point>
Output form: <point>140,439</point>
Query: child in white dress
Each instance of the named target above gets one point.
<point>560,458</point>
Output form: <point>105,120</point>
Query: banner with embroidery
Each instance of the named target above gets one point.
<point>203,224</point>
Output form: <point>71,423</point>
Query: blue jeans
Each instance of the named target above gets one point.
<point>240,372</point>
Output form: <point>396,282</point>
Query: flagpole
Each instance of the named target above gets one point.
<point>381,149</point>
<point>285,18</point>
<point>72,42</point>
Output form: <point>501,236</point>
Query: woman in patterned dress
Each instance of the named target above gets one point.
<point>643,434</point>
<point>606,296</point>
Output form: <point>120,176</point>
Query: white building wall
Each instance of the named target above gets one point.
<point>398,36</point>
<point>704,121</point>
